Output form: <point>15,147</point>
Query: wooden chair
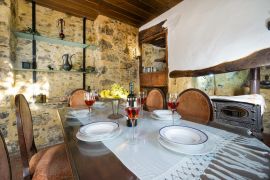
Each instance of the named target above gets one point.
<point>5,168</point>
<point>77,98</point>
<point>50,163</point>
<point>155,100</point>
<point>195,105</point>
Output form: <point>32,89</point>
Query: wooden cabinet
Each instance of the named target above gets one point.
<point>154,79</point>
<point>154,38</point>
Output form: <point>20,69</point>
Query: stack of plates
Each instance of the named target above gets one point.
<point>186,140</point>
<point>77,113</point>
<point>163,115</point>
<point>98,131</point>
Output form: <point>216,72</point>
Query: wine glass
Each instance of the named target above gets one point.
<point>172,103</point>
<point>89,99</point>
<point>132,111</point>
<point>142,98</point>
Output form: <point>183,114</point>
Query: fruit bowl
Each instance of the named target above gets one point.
<point>114,95</point>
<point>115,92</point>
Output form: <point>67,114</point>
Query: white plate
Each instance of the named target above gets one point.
<point>104,138</point>
<point>183,135</point>
<point>99,129</point>
<point>162,113</point>
<point>207,147</point>
<point>168,118</point>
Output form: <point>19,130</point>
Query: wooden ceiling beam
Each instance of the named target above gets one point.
<point>124,5</point>
<point>143,6</point>
<point>117,13</point>
<point>68,8</point>
<point>133,12</point>
<point>257,59</point>
<point>107,7</point>
<point>155,5</point>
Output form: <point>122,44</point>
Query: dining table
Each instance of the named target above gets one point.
<point>226,155</point>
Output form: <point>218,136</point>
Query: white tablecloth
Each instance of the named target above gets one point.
<point>232,158</point>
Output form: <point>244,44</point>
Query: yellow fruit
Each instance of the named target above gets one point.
<point>116,91</point>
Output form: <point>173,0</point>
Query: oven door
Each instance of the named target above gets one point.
<point>238,114</point>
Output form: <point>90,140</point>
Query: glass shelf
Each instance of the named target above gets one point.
<point>52,40</point>
<point>48,71</point>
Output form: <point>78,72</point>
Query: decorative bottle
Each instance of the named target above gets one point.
<point>131,98</point>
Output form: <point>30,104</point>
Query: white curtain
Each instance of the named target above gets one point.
<point>205,33</point>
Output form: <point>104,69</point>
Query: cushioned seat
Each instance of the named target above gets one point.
<point>50,164</point>
<point>77,98</point>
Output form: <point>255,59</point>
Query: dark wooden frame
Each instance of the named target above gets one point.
<point>257,59</point>
<point>206,96</point>
<point>5,147</point>
<point>22,144</point>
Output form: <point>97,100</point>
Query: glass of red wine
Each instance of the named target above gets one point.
<point>133,114</point>
<point>89,99</point>
<point>172,102</point>
<point>141,100</point>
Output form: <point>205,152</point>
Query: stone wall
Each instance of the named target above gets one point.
<point>114,57</point>
<point>266,94</point>
<point>111,55</point>
<point>150,53</point>
<point>7,117</point>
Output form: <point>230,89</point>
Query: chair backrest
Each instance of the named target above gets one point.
<point>77,98</point>
<point>5,169</point>
<point>155,100</point>
<point>25,132</point>
<point>195,105</point>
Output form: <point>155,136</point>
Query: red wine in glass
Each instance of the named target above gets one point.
<point>133,112</point>
<point>89,102</point>
<point>173,105</point>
